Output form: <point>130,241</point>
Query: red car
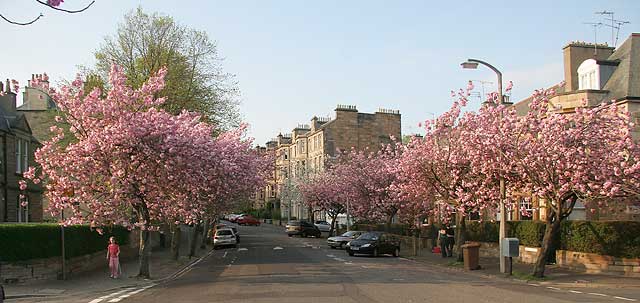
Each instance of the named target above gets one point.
<point>247,220</point>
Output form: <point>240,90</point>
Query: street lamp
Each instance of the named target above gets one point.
<point>505,267</point>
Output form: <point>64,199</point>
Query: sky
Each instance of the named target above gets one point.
<point>298,59</point>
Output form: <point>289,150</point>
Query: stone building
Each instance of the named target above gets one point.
<point>306,149</point>
<point>38,107</point>
<point>17,145</point>
<point>594,73</point>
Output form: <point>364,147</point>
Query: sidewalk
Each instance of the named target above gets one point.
<point>161,266</point>
<point>554,275</point>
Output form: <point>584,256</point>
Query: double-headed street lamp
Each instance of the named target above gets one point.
<point>505,267</point>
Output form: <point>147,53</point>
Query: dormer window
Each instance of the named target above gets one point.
<point>589,75</point>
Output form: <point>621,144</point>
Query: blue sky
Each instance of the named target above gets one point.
<point>297,59</point>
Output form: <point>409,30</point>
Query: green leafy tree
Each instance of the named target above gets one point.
<point>195,81</point>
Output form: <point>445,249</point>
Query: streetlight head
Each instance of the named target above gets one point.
<point>469,65</point>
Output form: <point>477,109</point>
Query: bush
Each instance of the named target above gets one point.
<point>482,231</point>
<point>614,238</point>
<point>33,241</point>
<point>530,233</point>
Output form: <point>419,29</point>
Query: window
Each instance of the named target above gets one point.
<point>589,74</point>
<point>22,155</point>
<point>526,209</point>
<point>23,211</point>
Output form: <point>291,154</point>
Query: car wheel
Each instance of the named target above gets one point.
<point>290,235</point>
<point>350,253</point>
<point>396,252</point>
<point>375,252</point>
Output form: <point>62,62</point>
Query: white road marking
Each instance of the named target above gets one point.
<point>225,254</point>
<point>554,288</point>
<point>576,292</point>
<point>596,294</point>
<point>242,249</point>
<point>535,285</point>
<point>626,299</point>
<point>348,263</point>
<point>331,256</point>
<point>277,248</point>
<point>110,295</point>
<point>137,291</point>
<point>340,259</point>
<point>398,279</point>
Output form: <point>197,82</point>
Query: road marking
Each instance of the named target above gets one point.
<point>554,288</point>
<point>348,263</point>
<point>398,279</point>
<point>110,295</point>
<point>576,292</point>
<point>340,259</point>
<point>596,294</point>
<point>225,254</point>
<point>242,249</point>
<point>626,299</point>
<point>535,285</point>
<point>331,256</point>
<point>137,291</point>
<point>277,248</point>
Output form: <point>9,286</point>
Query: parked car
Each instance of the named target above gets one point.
<point>235,230</point>
<point>247,220</point>
<point>302,228</point>
<point>342,240</point>
<point>224,237</point>
<point>323,226</point>
<point>375,244</point>
<point>234,217</point>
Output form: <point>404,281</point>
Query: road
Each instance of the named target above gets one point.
<point>268,266</point>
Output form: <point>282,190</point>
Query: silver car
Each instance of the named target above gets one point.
<point>224,237</point>
<point>342,240</point>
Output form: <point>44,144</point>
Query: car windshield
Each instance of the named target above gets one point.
<point>225,232</point>
<point>350,234</point>
<point>369,236</point>
<point>294,223</point>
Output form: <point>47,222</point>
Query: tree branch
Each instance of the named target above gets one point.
<point>65,10</point>
<point>21,23</point>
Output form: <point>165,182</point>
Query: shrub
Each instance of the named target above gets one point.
<point>482,231</point>
<point>530,233</point>
<point>34,241</point>
<point>613,238</point>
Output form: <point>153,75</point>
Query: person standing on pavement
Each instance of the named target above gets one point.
<point>444,241</point>
<point>113,257</point>
<point>450,241</point>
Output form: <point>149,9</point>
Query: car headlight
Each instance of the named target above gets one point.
<point>348,243</point>
<point>367,245</point>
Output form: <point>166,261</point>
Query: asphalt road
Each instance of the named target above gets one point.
<point>268,266</point>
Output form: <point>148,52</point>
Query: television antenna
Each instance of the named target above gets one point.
<point>595,26</point>
<point>615,25</point>
<point>482,84</point>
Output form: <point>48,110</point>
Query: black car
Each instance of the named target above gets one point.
<point>342,240</point>
<point>302,228</point>
<point>375,244</point>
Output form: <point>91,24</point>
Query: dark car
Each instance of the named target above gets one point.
<point>342,240</point>
<point>302,228</point>
<point>375,244</point>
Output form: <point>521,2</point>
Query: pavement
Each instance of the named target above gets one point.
<point>554,275</point>
<point>84,285</point>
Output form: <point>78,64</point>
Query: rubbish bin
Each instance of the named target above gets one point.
<point>471,255</point>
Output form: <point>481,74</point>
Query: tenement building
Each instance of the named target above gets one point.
<point>17,145</point>
<point>305,150</point>
<point>594,73</point>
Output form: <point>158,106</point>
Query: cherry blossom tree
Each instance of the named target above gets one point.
<point>587,156</point>
<point>52,4</point>
<point>370,178</point>
<point>436,171</point>
<point>325,192</point>
<point>135,165</point>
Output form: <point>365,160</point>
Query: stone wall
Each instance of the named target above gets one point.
<point>593,263</point>
<point>51,268</point>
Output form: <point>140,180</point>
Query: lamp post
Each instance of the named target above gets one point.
<point>505,266</point>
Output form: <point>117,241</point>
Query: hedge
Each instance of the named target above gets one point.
<point>20,242</point>
<point>614,238</point>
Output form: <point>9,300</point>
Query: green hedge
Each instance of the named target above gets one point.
<point>614,238</point>
<point>33,241</point>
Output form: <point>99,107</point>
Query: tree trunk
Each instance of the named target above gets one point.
<point>461,235</point>
<point>552,227</point>
<point>175,241</point>
<point>194,239</point>
<point>333,224</point>
<point>387,225</point>
<point>205,230</point>
<point>145,247</point>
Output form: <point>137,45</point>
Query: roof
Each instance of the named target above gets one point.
<point>625,80</point>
